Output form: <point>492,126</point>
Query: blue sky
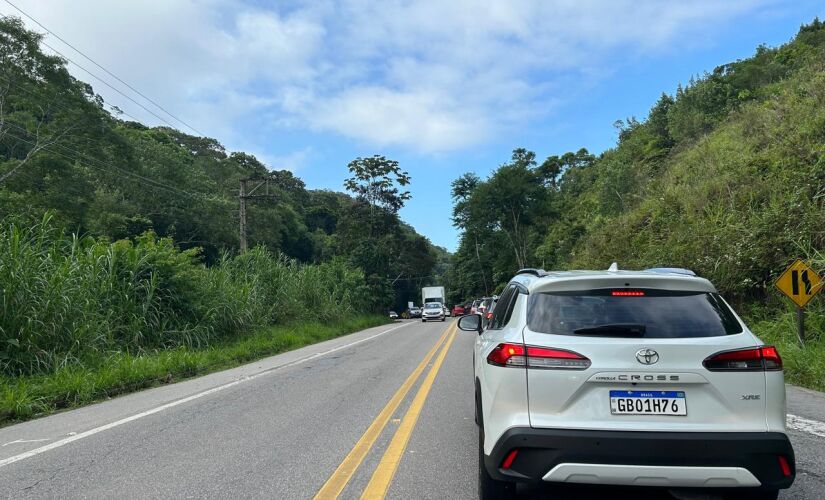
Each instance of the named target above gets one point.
<point>442,87</point>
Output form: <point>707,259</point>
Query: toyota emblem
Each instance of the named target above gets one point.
<point>647,356</point>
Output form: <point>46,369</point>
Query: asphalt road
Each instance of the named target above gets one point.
<point>307,421</point>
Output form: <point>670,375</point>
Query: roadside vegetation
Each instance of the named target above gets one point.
<point>85,318</point>
<point>120,262</point>
<point>70,300</point>
<point>23,397</point>
<point>64,150</point>
<point>804,364</point>
<point>726,177</point>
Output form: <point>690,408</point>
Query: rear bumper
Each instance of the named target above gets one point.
<point>676,459</point>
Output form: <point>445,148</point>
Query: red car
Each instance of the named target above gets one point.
<point>458,310</point>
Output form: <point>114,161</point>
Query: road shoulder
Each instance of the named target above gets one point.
<point>27,436</point>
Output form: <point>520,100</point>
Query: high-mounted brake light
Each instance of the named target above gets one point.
<point>627,293</point>
<point>765,358</point>
<point>537,357</point>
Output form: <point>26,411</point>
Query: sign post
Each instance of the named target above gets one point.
<point>800,283</point>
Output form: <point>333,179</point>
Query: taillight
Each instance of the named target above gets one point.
<point>765,358</point>
<point>784,466</point>
<point>509,459</point>
<point>537,357</point>
<point>507,355</point>
<point>543,357</point>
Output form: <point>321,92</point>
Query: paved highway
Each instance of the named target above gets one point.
<point>386,411</point>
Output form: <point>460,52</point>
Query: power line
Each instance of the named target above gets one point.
<point>88,159</point>
<point>103,166</point>
<point>414,278</point>
<point>69,110</point>
<point>58,106</point>
<point>67,58</point>
<point>134,177</point>
<point>133,89</point>
<point>62,107</point>
<point>104,82</point>
<point>99,165</point>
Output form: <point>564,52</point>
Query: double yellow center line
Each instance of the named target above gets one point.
<point>384,473</point>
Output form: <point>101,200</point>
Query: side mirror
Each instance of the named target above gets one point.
<point>470,323</point>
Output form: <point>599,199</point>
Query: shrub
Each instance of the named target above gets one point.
<point>70,300</point>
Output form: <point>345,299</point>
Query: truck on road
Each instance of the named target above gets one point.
<point>433,294</point>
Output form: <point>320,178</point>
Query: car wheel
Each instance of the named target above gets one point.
<point>423,320</point>
<point>489,488</point>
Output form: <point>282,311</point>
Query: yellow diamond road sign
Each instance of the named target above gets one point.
<point>800,283</point>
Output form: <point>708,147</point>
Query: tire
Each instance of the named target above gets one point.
<point>423,320</point>
<point>489,488</point>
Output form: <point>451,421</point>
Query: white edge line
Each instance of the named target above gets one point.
<point>814,427</point>
<point>91,432</point>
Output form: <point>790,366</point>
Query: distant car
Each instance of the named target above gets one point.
<point>492,307</point>
<point>433,311</point>
<point>446,311</point>
<point>458,310</point>
<point>474,306</point>
<point>414,312</point>
<point>393,315</point>
<point>484,307</point>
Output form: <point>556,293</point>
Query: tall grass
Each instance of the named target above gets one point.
<point>71,301</point>
<point>27,396</point>
<point>804,364</point>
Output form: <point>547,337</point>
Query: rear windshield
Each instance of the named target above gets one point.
<point>641,313</point>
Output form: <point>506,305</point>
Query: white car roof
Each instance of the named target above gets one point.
<point>589,280</point>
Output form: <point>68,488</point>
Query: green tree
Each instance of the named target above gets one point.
<point>376,180</point>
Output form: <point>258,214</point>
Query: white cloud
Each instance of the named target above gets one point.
<point>382,116</point>
<point>293,161</point>
<point>428,75</point>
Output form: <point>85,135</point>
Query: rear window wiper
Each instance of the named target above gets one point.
<point>613,329</point>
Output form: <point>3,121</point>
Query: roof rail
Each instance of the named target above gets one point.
<point>671,270</point>
<point>534,271</point>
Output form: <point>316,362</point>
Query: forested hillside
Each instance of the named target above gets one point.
<point>727,177</point>
<point>100,173</point>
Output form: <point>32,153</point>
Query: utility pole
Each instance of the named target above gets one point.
<point>481,268</point>
<point>242,213</point>
<point>244,195</point>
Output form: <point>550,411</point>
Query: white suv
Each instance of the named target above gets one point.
<point>433,311</point>
<point>643,378</point>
